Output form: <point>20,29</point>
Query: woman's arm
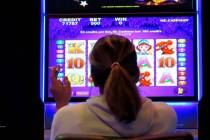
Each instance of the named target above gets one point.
<point>61,91</point>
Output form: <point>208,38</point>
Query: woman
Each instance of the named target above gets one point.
<point>119,110</point>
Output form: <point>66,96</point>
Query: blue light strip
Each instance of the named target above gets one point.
<point>199,50</point>
<point>180,103</point>
<point>42,51</point>
<point>43,6</point>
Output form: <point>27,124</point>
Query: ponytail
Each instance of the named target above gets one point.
<point>122,95</point>
<point>118,82</point>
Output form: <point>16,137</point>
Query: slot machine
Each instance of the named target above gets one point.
<point>167,39</point>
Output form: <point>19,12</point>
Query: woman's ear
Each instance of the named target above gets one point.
<point>93,75</point>
<point>135,78</point>
<point>94,81</point>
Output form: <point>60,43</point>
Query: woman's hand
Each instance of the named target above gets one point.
<point>61,91</point>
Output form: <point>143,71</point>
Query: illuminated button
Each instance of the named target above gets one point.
<point>181,45</point>
<point>59,56</point>
<point>180,90</point>
<point>61,69</point>
<point>82,93</point>
<point>181,73</point>
<point>181,68</point>
<point>182,83</point>
<point>58,61</point>
<point>182,41</point>
<point>60,46</point>
<point>60,74</point>
<point>182,59</point>
<point>59,51</point>
<point>182,78</point>
<point>181,49</point>
<point>181,54</point>
<point>59,42</point>
<point>182,64</point>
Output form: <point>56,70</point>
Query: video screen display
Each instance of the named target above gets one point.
<point>164,46</point>
<point>163,2</point>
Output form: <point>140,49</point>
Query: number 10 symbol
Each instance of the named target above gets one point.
<point>75,63</point>
<point>166,62</point>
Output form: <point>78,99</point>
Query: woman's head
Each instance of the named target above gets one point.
<point>114,70</point>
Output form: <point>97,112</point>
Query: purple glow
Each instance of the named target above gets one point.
<point>62,31</point>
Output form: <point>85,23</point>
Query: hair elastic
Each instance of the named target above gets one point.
<point>115,64</point>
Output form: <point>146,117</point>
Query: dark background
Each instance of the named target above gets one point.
<point>21,110</point>
<point>204,111</point>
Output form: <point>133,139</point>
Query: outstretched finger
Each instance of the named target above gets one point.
<point>67,87</point>
<point>58,68</point>
<point>54,74</point>
<point>59,83</point>
<point>67,82</point>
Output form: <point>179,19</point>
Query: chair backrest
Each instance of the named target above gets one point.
<point>171,136</point>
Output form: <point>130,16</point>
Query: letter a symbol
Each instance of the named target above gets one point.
<point>144,62</point>
<point>166,78</point>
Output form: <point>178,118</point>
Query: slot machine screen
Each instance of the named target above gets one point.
<point>165,47</point>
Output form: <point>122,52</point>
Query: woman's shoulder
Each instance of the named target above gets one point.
<point>146,102</point>
<point>162,107</point>
<point>71,109</point>
<point>153,108</point>
<point>78,109</point>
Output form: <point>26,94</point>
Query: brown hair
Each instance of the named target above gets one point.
<point>117,82</point>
